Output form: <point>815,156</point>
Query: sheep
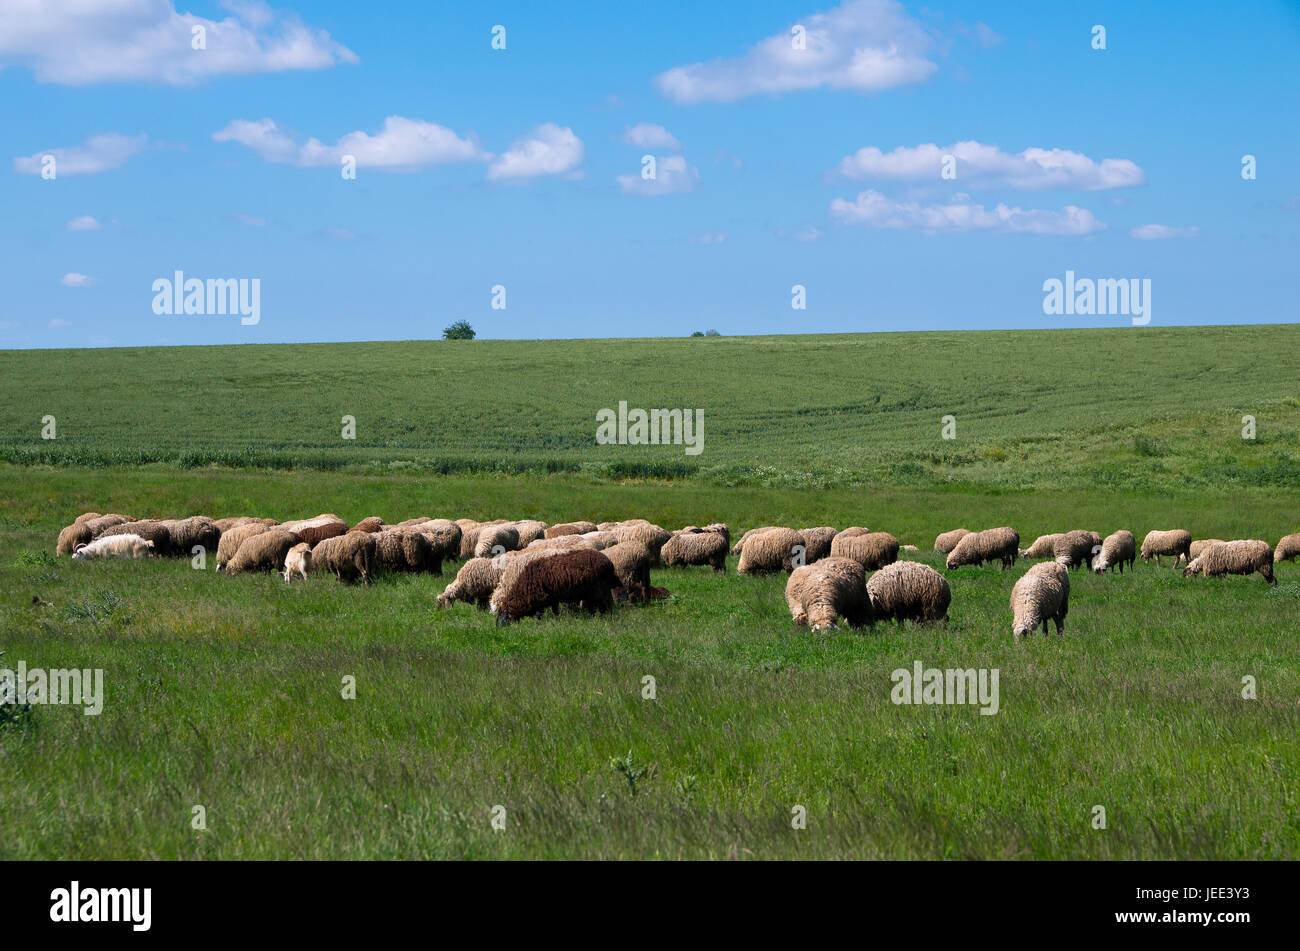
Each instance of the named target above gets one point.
<point>632,561</point>
<point>599,540</point>
<point>564,543</point>
<point>737,548</point>
<point>195,532</point>
<point>573,577</point>
<point>151,529</point>
<point>1287,548</point>
<point>650,535</point>
<point>1242,557</point>
<point>529,530</point>
<point>1042,594</point>
<point>769,551</point>
<point>570,528</point>
<point>1201,545</point>
<point>696,548</point>
<point>820,595</point>
<point>235,521</point>
<point>86,517</point>
<point>495,539</point>
<point>1119,548</point>
<point>908,591</point>
<point>85,530</point>
<point>297,561</point>
<point>872,550</point>
<point>264,551</point>
<point>314,530</point>
<point>232,538</point>
<point>405,550</point>
<point>469,533</point>
<point>947,541</point>
<point>509,567</point>
<point>371,524</point>
<point>1176,542</point>
<point>1075,548</point>
<point>115,546</point>
<point>1044,546</point>
<point>475,582</point>
<point>992,544</point>
<point>719,528</point>
<point>817,542</point>
<point>444,538</point>
<point>350,555</point>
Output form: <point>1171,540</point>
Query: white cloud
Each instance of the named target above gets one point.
<point>547,150</point>
<point>403,145</point>
<point>986,166</point>
<point>99,153</point>
<point>57,322</point>
<point>709,238</point>
<point>77,42</point>
<point>84,223</point>
<point>1159,232</point>
<point>73,279</point>
<point>862,45</point>
<point>250,220</point>
<point>672,177</point>
<point>961,215</point>
<point>647,135</point>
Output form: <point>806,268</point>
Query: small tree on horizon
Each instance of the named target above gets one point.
<point>460,330</point>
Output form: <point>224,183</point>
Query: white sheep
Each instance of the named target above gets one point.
<point>115,546</point>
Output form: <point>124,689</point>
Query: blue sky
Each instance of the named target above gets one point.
<point>522,167</point>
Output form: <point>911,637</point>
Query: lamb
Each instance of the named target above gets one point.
<point>817,542</point>
<point>1287,548</point>
<point>529,530</point>
<point>315,530</point>
<point>297,561</point>
<point>1202,545</point>
<point>232,538</point>
<point>769,551</point>
<point>495,539</point>
<point>570,528</point>
<point>264,551</point>
<point>115,546</point>
<point>1044,546</point>
<point>151,529</point>
<point>992,544</point>
<point>1042,594</point>
<point>821,594</point>
<point>574,577</point>
<point>371,524</point>
<point>948,540</point>
<point>349,555</point>
<point>1241,557</point>
<point>872,550</point>
<point>737,548</point>
<point>1119,548</point>
<point>1176,542</point>
<point>652,536</point>
<point>1075,548</point>
<point>696,548</point>
<point>404,550</point>
<point>475,582</point>
<point>632,561</point>
<point>908,591</point>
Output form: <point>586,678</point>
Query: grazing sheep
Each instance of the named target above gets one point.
<point>405,549</point>
<point>650,535</point>
<point>297,561</point>
<point>1042,594</point>
<point>469,534</point>
<point>992,544</point>
<point>350,555</point>
<point>582,577</point>
<point>264,551</point>
<point>772,550</point>
<point>872,550</point>
<point>820,594</point>
<point>737,548</point>
<point>235,521</point>
<point>565,543</point>
<point>529,530</point>
<point>510,565</point>
<point>152,529</point>
<point>315,530</point>
<point>696,548</point>
<point>1287,548</point>
<point>1119,548</point>
<point>948,540</point>
<point>475,582</point>
<point>817,542</point>
<point>1201,546</point>
<point>599,540</point>
<point>1074,549</point>
<point>496,539</point>
<point>196,531</point>
<point>632,561</point>
<point>232,538</point>
<point>570,528</point>
<point>1241,557</point>
<point>371,524</point>
<point>1044,546</point>
<point>1176,542</point>
<point>85,530</point>
<point>719,528</point>
<point>115,546</point>
<point>908,591</point>
<point>444,537</point>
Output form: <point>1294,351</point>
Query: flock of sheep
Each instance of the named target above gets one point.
<point>518,569</point>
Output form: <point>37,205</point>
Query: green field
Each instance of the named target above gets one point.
<point>225,692</point>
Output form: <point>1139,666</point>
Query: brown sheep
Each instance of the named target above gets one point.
<point>632,562</point>
<point>371,524</point>
<point>948,540</point>
<point>1176,542</point>
<point>405,550</point>
<point>232,538</point>
<point>872,550</point>
<point>265,551</point>
<point>773,550</point>
<point>992,544</point>
<point>149,529</point>
<point>1241,557</point>
<point>443,536</point>
<point>1074,549</point>
<point>570,528</point>
<point>696,548</point>
<point>1042,594</point>
<point>908,591</point>
<point>1287,548</point>
<point>315,530</point>
<point>1044,546</point>
<point>821,594</point>
<point>1119,548</point>
<point>475,582</point>
<point>85,530</point>
<point>350,555</point>
<point>189,533</point>
<point>817,542</point>
<point>509,567</point>
<point>581,577</point>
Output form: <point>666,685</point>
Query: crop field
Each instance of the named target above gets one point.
<point>1171,703</point>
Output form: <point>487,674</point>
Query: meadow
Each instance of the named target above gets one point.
<point>227,692</point>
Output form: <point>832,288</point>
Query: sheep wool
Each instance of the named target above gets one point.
<point>1074,549</point>
<point>632,561</point>
<point>948,540</point>
<point>872,550</point>
<point>820,595</point>
<point>909,591</point>
<point>817,542</point>
<point>1118,549</point>
<point>1042,594</point>
<point>582,577</point>
<point>696,548</point>
<point>1287,548</point>
<point>350,555</point>
<point>115,546</point>
<point>474,583</point>
<point>770,551</point>
<point>992,544</point>
<point>1176,542</point>
<point>297,561</point>
<point>570,528</point>
<point>315,530</point>
<point>1242,557</point>
<point>262,552</point>
<point>232,538</point>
